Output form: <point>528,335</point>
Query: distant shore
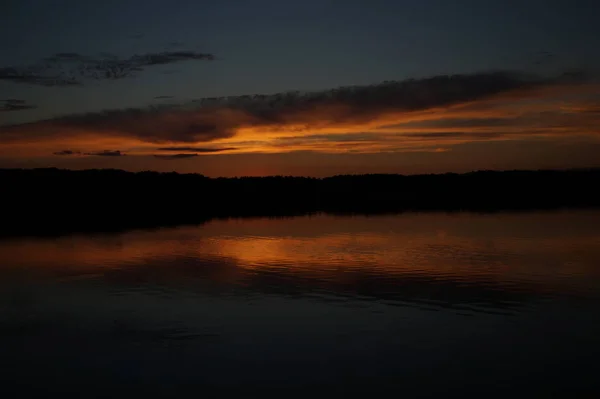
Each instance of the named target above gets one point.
<point>54,201</point>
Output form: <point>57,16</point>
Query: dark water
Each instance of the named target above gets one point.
<point>412,305</point>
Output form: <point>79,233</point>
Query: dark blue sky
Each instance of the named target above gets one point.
<point>266,46</point>
<point>272,46</point>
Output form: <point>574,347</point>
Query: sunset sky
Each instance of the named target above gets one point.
<point>312,87</point>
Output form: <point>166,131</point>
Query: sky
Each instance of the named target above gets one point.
<point>312,87</point>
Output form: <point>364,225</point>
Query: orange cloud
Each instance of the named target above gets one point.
<point>412,115</point>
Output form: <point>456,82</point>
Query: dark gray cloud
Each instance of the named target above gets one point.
<point>68,69</point>
<point>168,57</point>
<point>36,75</point>
<point>13,104</point>
<point>67,152</point>
<point>196,149</point>
<point>175,156</point>
<point>107,153</point>
<point>162,97</point>
<point>215,118</point>
<point>13,101</point>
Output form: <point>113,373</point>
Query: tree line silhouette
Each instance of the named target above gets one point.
<point>55,201</point>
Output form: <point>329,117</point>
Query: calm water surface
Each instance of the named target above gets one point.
<point>413,305</point>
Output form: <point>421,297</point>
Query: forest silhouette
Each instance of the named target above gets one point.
<point>53,201</point>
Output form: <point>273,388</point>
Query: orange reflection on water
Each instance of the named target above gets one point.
<point>555,248</point>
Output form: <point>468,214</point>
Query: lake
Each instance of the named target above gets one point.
<point>413,305</point>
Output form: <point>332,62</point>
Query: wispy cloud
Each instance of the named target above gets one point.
<point>195,149</point>
<point>67,152</point>
<point>13,104</point>
<point>175,156</point>
<point>70,69</point>
<point>103,153</point>
<point>408,115</point>
<point>106,153</point>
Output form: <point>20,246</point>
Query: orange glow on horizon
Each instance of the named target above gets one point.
<point>431,245</point>
<point>541,113</point>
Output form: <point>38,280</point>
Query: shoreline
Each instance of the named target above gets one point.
<point>50,202</point>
